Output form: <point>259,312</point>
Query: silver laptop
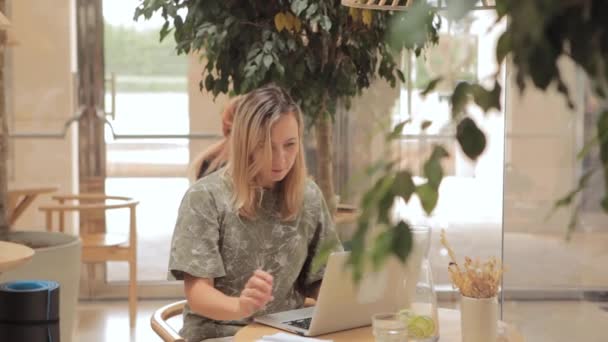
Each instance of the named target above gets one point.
<point>341,305</point>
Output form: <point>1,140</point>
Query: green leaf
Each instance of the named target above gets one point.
<point>439,152</point>
<point>164,31</point>
<point>502,7</point>
<point>428,197</point>
<point>397,131</point>
<point>431,86</point>
<point>382,248</point>
<point>543,57</point>
<point>432,167</point>
<point>458,9</point>
<point>209,81</point>
<point>404,185</point>
<point>380,188</point>
<point>358,243</point>
<point>471,138</point>
<point>258,60</point>
<point>425,124</point>
<point>400,75</point>
<point>402,241</point>
<point>573,222</point>
<point>253,52</point>
<point>460,98</point>
<point>385,205</point>
<point>268,47</point>
<point>503,47</point>
<point>298,6</point>
<point>587,148</point>
<point>312,9</point>
<point>486,99</point>
<point>569,197</point>
<point>413,29</point>
<point>602,133</point>
<point>267,61</point>
<point>325,23</point>
<point>280,68</point>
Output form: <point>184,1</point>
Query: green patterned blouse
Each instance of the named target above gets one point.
<point>212,241</point>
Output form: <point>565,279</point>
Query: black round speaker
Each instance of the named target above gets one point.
<point>29,311</point>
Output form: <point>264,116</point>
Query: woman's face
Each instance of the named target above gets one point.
<point>285,140</point>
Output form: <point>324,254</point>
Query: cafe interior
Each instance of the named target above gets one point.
<point>103,121</point>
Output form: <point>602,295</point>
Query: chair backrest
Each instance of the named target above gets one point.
<point>165,331</point>
<point>87,204</point>
<point>160,325</point>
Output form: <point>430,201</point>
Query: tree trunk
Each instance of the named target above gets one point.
<point>325,178</point>
<point>3,138</point>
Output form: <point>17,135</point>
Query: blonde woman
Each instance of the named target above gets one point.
<point>245,236</point>
<point>216,155</point>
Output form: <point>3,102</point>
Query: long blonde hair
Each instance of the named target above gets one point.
<point>217,153</point>
<point>254,116</point>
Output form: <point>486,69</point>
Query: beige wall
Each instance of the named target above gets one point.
<point>204,109</point>
<point>40,99</point>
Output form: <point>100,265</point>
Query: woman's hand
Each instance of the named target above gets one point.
<point>256,294</point>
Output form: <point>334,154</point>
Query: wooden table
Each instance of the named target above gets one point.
<point>449,331</point>
<point>13,255</point>
<point>21,197</point>
<point>346,214</point>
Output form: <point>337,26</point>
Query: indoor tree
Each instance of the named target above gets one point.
<point>322,52</point>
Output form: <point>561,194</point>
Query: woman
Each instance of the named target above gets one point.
<point>216,156</point>
<point>245,236</point>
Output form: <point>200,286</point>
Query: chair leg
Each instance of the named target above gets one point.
<point>132,292</point>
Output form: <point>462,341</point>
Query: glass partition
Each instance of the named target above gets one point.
<point>470,195</point>
<point>556,287</point>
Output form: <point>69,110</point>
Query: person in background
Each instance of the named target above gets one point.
<point>216,155</point>
<point>246,235</point>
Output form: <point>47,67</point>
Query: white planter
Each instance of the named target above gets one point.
<point>59,262</point>
<point>479,319</point>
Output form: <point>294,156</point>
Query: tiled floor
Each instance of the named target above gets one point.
<point>539,321</point>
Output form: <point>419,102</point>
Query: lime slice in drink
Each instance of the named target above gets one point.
<point>405,314</point>
<point>420,326</point>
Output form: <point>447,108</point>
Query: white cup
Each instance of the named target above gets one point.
<point>479,319</point>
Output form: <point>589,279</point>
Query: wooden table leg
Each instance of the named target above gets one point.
<point>18,207</point>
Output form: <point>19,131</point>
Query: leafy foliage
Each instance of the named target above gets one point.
<point>377,203</point>
<point>539,33</point>
<point>319,50</point>
<point>323,52</point>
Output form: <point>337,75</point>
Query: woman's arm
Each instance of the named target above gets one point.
<point>204,299</point>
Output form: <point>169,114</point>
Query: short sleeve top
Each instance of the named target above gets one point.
<point>211,240</point>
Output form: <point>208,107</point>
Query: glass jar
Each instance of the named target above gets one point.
<point>389,327</point>
<point>420,314</point>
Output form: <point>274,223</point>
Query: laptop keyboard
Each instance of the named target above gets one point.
<point>303,323</point>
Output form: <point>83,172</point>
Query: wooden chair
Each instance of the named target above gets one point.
<point>101,246</point>
<point>160,325</point>
<point>165,331</point>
